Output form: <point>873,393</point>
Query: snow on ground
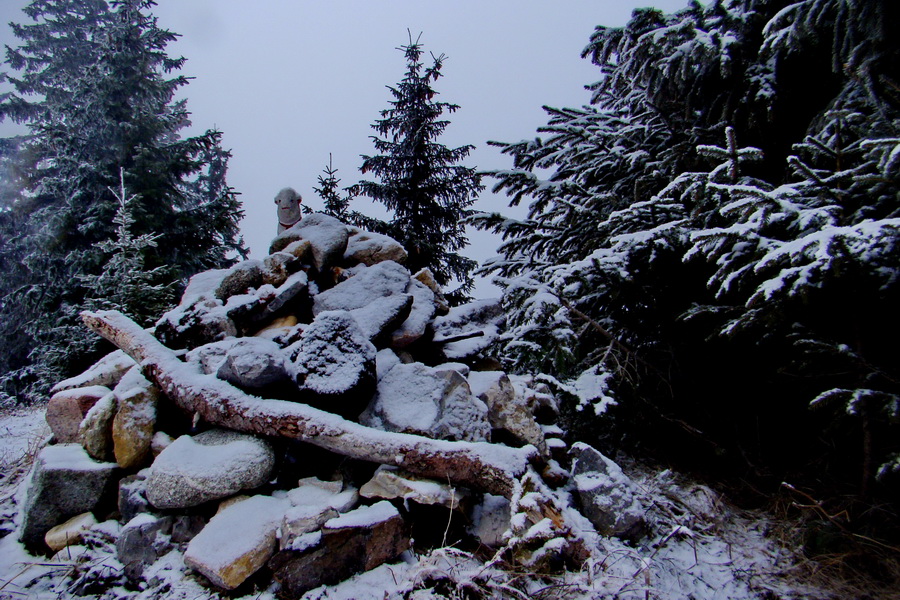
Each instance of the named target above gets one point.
<point>698,548</point>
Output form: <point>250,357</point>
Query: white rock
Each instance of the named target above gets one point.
<point>371,248</point>
<point>420,316</point>
<point>413,398</point>
<point>237,541</point>
<point>366,286</point>
<point>212,465</point>
<point>383,314</point>
<point>490,520</point>
<point>481,316</point>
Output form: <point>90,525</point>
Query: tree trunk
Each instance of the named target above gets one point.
<point>492,468</point>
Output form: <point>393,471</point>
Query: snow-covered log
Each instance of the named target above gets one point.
<point>489,467</point>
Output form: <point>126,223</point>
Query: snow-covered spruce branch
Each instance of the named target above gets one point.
<point>489,467</point>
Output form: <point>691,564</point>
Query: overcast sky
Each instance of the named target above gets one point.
<point>288,81</point>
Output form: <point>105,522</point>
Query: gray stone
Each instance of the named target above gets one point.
<point>142,542</point>
<point>64,482</point>
<point>133,497</point>
<point>484,318</point>
<point>608,497</point>
<point>67,409</point>
<point>357,541</point>
<point>423,310</point>
<point>383,315</point>
<point>209,357</point>
<point>212,465</point>
<point>490,520</point>
<point>254,363</point>
<point>413,398</point>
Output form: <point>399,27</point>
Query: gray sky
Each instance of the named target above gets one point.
<point>288,81</point>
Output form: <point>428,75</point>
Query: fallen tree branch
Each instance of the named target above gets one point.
<point>492,468</point>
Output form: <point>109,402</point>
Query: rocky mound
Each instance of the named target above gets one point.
<point>302,418</point>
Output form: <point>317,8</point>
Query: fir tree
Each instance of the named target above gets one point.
<point>95,88</point>
<point>337,205</point>
<point>421,182</point>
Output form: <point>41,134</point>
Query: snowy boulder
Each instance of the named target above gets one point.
<point>507,410</point>
<point>608,497</point>
<point>415,325</point>
<point>366,286</point>
<point>390,483</point>
<point>209,357</point>
<point>327,237</point>
<point>64,482</point>
<point>481,319</point>
<point>383,315</point>
<point>413,398</point>
<point>372,248</point>
<point>105,372</point>
<point>334,364</point>
<point>278,267</point>
<point>132,499</point>
<point>254,363</point>
<point>67,409</point>
<point>200,317</point>
<point>135,420</point>
<point>357,541</point>
<point>212,465</point>
<point>313,503</point>
<point>237,542</point>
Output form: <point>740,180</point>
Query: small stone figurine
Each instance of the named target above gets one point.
<point>288,201</point>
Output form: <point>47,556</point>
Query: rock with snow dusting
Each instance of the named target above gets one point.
<point>334,364</point>
<point>67,409</point>
<point>357,541</point>
<point>327,237</point>
<point>200,316</point>
<point>212,465</point>
<point>313,503</point>
<point>507,410</point>
<point>140,544</point>
<point>367,285</point>
<point>413,398</point>
<point>383,315</point>
<point>132,499</point>
<point>239,278</point>
<point>64,482</point>
<point>209,357</point>
<point>278,267</point>
<point>105,372</point>
<point>95,431</point>
<point>423,310</point>
<point>608,497</point>
<point>68,533</point>
<point>390,483</point>
<point>490,520</point>
<point>237,541</point>
<point>133,425</point>
<point>254,363</point>
<point>484,318</point>
<point>427,277</point>
<point>371,248</point>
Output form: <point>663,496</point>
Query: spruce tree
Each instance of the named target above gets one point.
<point>96,89</point>
<point>712,243</point>
<point>420,180</point>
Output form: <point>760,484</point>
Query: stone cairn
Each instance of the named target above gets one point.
<point>303,418</point>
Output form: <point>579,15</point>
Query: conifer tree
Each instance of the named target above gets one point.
<point>421,181</point>
<point>94,85</point>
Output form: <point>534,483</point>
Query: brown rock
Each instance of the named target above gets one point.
<point>69,533</point>
<point>357,541</point>
<point>67,409</point>
<point>133,425</point>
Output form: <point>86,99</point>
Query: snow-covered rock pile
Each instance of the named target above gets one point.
<point>331,319</point>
